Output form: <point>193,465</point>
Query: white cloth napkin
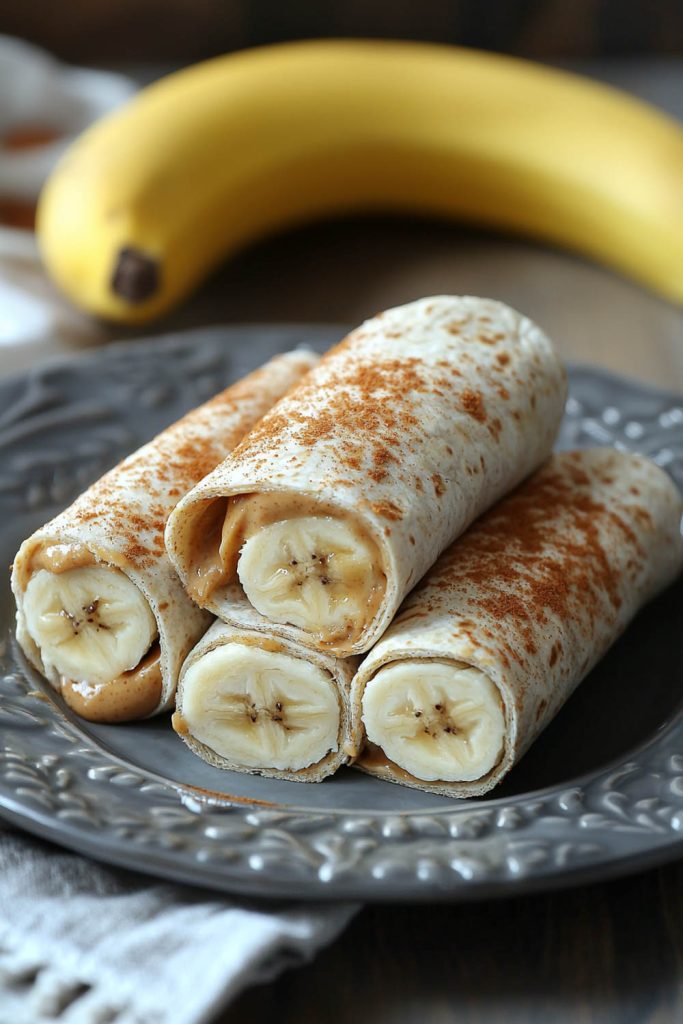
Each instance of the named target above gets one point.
<point>81,943</point>
<point>35,321</point>
<point>37,90</point>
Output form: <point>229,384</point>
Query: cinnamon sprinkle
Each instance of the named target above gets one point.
<point>538,556</point>
<point>473,404</point>
<point>387,509</point>
<point>133,501</point>
<point>370,410</point>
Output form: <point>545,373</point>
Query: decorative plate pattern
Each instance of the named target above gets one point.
<point>611,766</point>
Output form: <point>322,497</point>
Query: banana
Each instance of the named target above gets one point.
<point>438,720</point>
<point>91,623</point>
<point>261,709</point>
<point>146,202</point>
<point>314,572</point>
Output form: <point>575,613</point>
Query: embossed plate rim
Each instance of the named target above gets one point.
<point>674,723</point>
<point>596,825</point>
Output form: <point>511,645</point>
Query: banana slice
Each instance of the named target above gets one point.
<point>438,720</point>
<point>91,623</point>
<point>314,572</point>
<point>261,709</point>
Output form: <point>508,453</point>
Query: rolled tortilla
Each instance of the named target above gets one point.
<point>251,702</point>
<point>490,645</point>
<point>348,490</point>
<point>100,611</point>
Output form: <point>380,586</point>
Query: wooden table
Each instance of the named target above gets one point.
<point>605,954</point>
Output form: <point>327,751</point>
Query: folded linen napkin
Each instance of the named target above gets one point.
<point>38,92</point>
<point>81,943</point>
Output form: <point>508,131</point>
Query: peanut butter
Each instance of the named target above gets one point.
<point>179,724</point>
<point>264,643</point>
<point>134,694</point>
<point>225,525</point>
<point>206,571</point>
<point>373,757</point>
<point>59,558</point>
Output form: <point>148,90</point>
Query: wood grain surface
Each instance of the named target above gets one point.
<point>346,271</point>
<point>603,954</point>
<point>192,29</point>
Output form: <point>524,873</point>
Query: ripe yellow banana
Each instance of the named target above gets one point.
<point>149,199</point>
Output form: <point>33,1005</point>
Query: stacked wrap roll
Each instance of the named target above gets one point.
<point>302,505</point>
<point>100,610</point>
<point>346,492</point>
<point>490,645</point>
<point>355,482</point>
<point>251,702</point>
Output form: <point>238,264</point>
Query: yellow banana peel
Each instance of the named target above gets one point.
<point>146,202</point>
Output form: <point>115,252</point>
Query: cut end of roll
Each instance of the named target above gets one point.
<point>436,720</point>
<point>92,632</point>
<point>260,709</point>
<point>90,623</point>
<point>315,572</point>
<point>299,562</point>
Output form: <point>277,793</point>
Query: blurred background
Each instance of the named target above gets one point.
<point>607,954</point>
<point>99,31</point>
<point>342,271</point>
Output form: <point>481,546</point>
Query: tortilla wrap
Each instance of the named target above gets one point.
<point>251,702</point>
<point>340,499</point>
<point>486,650</point>
<point>100,611</point>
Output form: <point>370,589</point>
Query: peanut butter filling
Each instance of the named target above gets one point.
<point>59,558</point>
<point>131,695</point>
<point>373,758</point>
<point>225,525</point>
<point>206,570</point>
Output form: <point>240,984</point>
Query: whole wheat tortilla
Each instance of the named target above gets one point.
<point>120,519</point>
<point>536,592</point>
<point>412,427</point>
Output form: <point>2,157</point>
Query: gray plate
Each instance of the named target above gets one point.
<point>600,793</point>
